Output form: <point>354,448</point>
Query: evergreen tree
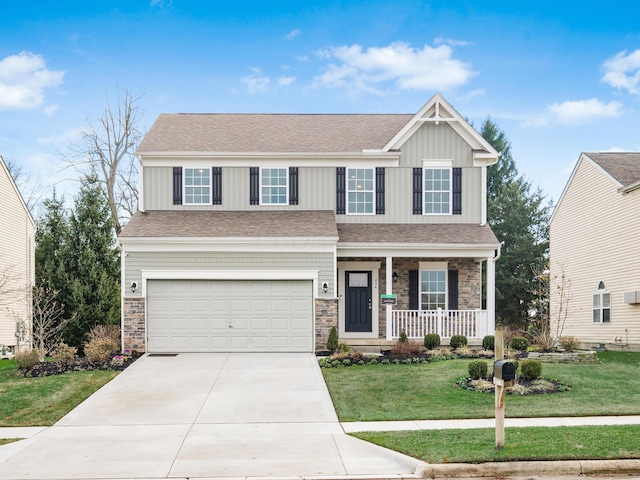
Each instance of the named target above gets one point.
<point>93,264</point>
<point>520,219</point>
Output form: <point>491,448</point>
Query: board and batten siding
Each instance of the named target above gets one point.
<point>436,142</point>
<point>241,261</point>
<point>594,236</point>
<point>16,259</point>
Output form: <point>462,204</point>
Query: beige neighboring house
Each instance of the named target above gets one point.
<point>17,270</point>
<point>595,235</point>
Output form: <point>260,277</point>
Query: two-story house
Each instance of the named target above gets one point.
<point>594,233</point>
<point>259,232</point>
<point>17,270</point>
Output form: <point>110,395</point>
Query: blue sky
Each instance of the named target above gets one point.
<point>559,78</point>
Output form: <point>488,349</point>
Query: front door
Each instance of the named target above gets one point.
<point>358,306</point>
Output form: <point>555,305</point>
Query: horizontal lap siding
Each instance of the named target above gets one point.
<point>594,236</point>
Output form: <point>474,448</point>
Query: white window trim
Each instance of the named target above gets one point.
<point>260,186</point>
<point>433,267</point>
<point>347,191</point>
<point>437,165</point>
<point>601,294</point>
<point>184,184</point>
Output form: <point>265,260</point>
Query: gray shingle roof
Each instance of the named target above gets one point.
<point>219,224</point>
<point>623,166</point>
<point>427,233</point>
<point>268,133</point>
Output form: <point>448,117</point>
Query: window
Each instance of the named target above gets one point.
<point>197,186</point>
<point>437,191</point>
<point>602,305</point>
<point>360,191</point>
<point>433,289</point>
<point>273,186</point>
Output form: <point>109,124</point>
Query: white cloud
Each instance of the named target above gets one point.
<point>23,78</point>
<point>293,34</point>
<point>302,58</point>
<point>451,41</point>
<point>286,81</point>
<point>583,111</point>
<point>405,67</point>
<point>67,137</point>
<point>256,82</point>
<point>622,71</point>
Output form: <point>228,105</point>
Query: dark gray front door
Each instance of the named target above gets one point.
<point>358,299</point>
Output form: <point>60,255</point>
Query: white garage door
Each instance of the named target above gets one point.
<point>229,315</point>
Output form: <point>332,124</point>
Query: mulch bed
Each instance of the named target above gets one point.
<point>521,386</point>
<point>46,369</point>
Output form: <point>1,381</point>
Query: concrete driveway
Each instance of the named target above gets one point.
<point>204,416</point>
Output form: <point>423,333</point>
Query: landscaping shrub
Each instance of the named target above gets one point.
<point>403,337</point>
<point>105,331</point>
<point>457,341</point>
<point>531,369</point>
<point>569,344</point>
<point>64,353</point>
<point>27,359</point>
<point>519,343</point>
<point>489,342</point>
<point>431,341</point>
<point>406,348</point>
<point>332,341</point>
<point>478,369</point>
<point>100,349</point>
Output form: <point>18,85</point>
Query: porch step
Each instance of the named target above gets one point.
<point>368,345</point>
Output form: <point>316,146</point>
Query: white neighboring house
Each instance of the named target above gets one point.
<point>17,265</point>
<point>594,238</point>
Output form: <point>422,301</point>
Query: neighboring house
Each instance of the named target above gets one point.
<point>17,271</point>
<point>259,232</point>
<point>594,240</point>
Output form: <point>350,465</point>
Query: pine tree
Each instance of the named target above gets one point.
<point>520,219</point>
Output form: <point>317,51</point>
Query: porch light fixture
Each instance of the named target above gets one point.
<point>134,287</point>
<point>325,287</point>
<point>395,277</point>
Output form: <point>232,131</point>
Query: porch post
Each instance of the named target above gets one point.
<point>389,291</point>
<point>491,296</point>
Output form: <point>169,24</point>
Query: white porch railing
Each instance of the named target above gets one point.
<point>446,323</point>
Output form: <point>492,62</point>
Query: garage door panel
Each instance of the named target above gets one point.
<point>234,315</point>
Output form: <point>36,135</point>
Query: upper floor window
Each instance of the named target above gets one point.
<point>360,191</point>
<point>197,186</point>
<point>437,191</point>
<point>273,186</point>
<point>433,289</point>
<point>601,305</point>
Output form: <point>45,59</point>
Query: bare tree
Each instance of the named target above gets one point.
<point>107,148</point>
<point>30,189</point>
<point>555,313</point>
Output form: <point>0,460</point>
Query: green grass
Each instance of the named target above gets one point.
<point>521,444</point>
<point>43,401</point>
<point>426,392</point>
<point>627,358</point>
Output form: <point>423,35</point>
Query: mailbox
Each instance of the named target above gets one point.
<point>504,369</point>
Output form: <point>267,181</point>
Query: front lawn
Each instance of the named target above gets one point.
<point>428,391</point>
<point>42,401</point>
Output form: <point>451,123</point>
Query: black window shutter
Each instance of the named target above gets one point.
<point>414,290</point>
<point>340,191</point>
<point>453,289</point>
<point>293,185</point>
<point>254,186</point>
<point>177,185</point>
<point>417,191</point>
<point>380,191</point>
<point>456,177</point>
<point>216,185</point>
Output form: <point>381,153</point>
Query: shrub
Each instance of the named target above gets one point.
<point>27,359</point>
<point>100,349</point>
<point>403,337</point>
<point>489,342</point>
<point>431,341</point>
<point>457,341</point>
<point>569,344</point>
<point>465,351</point>
<point>478,369</point>
<point>406,348</point>
<point>332,341</point>
<point>519,343</point>
<point>64,353</point>
<point>105,331</point>
<point>531,369</point>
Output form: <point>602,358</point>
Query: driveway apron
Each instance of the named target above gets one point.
<point>204,416</point>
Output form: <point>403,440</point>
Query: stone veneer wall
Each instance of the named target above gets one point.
<point>326,317</point>
<point>133,334</point>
